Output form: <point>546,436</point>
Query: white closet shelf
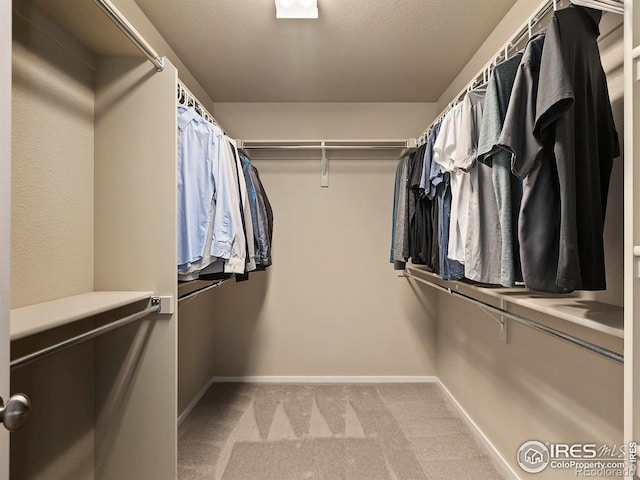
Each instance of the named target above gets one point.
<point>39,317</point>
<point>591,314</point>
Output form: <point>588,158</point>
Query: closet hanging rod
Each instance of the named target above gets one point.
<point>318,147</point>
<point>131,33</point>
<point>83,337</point>
<point>610,354</point>
<point>216,284</point>
<point>328,145</point>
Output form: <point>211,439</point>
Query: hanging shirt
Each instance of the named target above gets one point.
<point>446,153</point>
<point>253,205</point>
<point>429,191</point>
<point>194,269</point>
<point>539,221</point>
<point>440,188</point>
<point>574,117</point>
<point>265,205</point>
<point>236,263</point>
<point>394,211</point>
<point>435,235</point>
<point>483,238</point>
<point>401,219</point>
<point>421,221</point>
<point>202,176</point>
<point>265,219</point>
<point>245,210</point>
<point>508,187</point>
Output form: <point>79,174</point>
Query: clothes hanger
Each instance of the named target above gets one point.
<point>604,5</point>
<point>598,3</point>
<point>181,95</point>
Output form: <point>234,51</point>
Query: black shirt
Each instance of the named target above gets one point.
<point>575,120</point>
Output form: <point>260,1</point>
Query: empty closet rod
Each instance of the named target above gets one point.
<point>320,147</point>
<point>132,34</point>
<point>83,337</point>
<point>202,290</point>
<point>327,144</point>
<point>611,355</point>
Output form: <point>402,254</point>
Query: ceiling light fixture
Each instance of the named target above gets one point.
<point>296,8</point>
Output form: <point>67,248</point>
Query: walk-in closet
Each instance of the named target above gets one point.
<point>312,239</point>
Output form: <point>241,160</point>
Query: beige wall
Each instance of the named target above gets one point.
<point>52,241</point>
<point>52,170</point>
<point>534,388</point>
<point>514,18</point>
<point>331,304</point>
<point>57,443</point>
<point>296,121</point>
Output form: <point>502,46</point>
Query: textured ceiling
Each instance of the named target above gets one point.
<point>357,51</point>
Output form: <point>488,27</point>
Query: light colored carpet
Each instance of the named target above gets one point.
<point>329,432</point>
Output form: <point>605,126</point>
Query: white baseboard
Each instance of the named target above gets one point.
<point>493,451</point>
<point>326,379</point>
<point>185,413</point>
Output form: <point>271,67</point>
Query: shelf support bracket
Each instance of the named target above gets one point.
<point>324,166</point>
<point>501,320</point>
<point>504,323</point>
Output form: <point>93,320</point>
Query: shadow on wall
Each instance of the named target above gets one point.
<point>557,384</point>
<point>60,80</point>
<point>57,441</point>
<point>218,329</point>
<point>423,316</point>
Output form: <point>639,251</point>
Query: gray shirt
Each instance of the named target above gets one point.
<point>401,220</point>
<point>539,222</point>
<point>508,187</point>
<point>483,239</point>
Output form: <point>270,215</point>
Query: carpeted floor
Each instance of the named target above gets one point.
<point>329,432</point>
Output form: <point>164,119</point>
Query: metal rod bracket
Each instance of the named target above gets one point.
<point>504,323</point>
<point>161,63</point>
<point>166,304</point>
<point>324,167</point>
